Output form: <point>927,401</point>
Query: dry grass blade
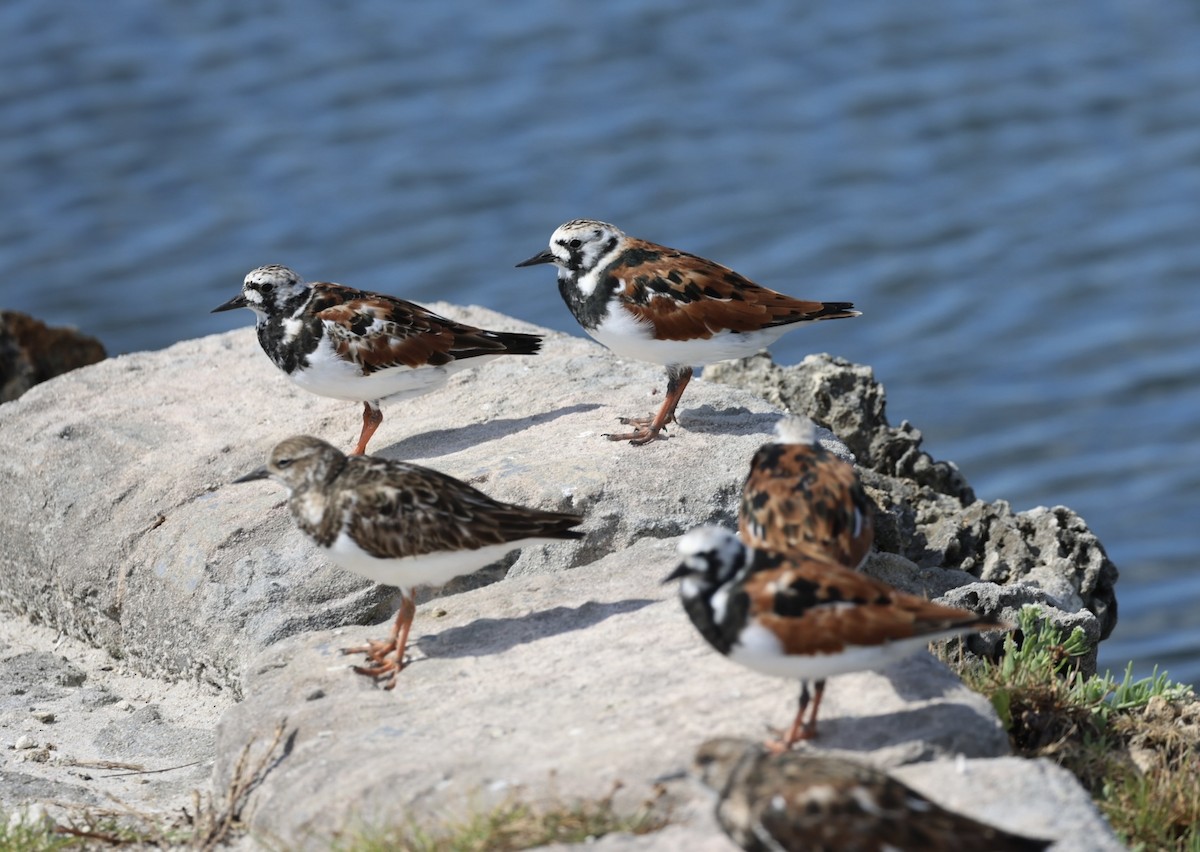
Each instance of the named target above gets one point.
<point>107,764</point>
<point>214,823</point>
<point>140,771</point>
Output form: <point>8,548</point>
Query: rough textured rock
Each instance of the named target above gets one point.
<point>846,398</point>
<point>187,575</point>
<point>77,728</point>
<point>928,513</point>
<point>559,686</point>
<point>575,671</point>
<point>556,684</point>
<point>32,352</point>
<point>1033,797</point>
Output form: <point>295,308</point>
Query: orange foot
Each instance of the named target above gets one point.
<point>376,650</point>
<point>384,671</point>
<point>782,744</point>
<point>644,431</point>
<point>801,729</point>
<point>385,658</point>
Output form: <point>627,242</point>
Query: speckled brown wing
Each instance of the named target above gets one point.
<point>817,607</point>
<point>377,331</point>
<point>813,802</point>
<point>402,509</point>
<point>687,297</point>
<point>803,498</point>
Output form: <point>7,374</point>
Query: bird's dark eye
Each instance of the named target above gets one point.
<point>576,243</point>
<point>266,288</point>
<point>282,463</point>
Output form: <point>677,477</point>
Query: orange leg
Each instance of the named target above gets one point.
<point>386,658</point>
<point>645,429</point>
<point>800,729</point>
<point>372,417</point>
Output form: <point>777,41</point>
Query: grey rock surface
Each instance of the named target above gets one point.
<point>560,686</point>
<point>79,729</point>
<point>125,472</point>
<point>575,671</point>
<point>557,684</point>
<point>1032,797</point>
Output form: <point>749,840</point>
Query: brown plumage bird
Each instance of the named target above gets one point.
<point>791,802</point>
<point>400,524</point>
<point>351,344</point>
<point>800,497</point>
<point>652,303</point>
<point>792,616</point>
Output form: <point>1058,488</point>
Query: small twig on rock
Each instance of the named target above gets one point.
<point>137,770</point>
<point>106,764</point>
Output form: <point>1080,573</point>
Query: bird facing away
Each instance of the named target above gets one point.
<point>800,497</point>
<point>366,347</point>
<point>785,802</point>
<point>401,525</point>
<point>792,616</point>
<point>652,303</point>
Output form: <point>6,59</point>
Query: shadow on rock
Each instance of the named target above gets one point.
<point>708,420</point>
<point>927,732</point>
<point>444,442</point>
<point>920,677</point>
<point>496,635</point>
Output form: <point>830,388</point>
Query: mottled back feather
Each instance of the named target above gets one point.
<point>803,498</point>
<point>819,607</point>
<point>828,804</point>
<point>688,297</point>
<point>394,509</point>
<point>376,331</point>
<point>405,510</point>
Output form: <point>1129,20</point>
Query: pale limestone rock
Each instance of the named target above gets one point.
<point>575,671</point>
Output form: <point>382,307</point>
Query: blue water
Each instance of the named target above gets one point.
<point>1010,192</point>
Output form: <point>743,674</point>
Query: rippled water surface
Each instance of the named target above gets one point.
<point>1010,192</point>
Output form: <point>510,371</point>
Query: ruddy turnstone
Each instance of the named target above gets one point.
<point>367,347</point>
<point>768,803</point>
<point>401,525</point>
<point>793,616</point>
<point>652,303</point>
<point>801,497</point>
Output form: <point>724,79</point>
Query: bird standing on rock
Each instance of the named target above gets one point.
<point>350,344</point>
<point>400,524</point>
<point>794,616</point>
<point>652,303</point>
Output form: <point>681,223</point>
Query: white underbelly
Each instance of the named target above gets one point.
<point>430,569</point>
<point>631,339</point>
<point>329,375</point>
<point>758,649</point>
